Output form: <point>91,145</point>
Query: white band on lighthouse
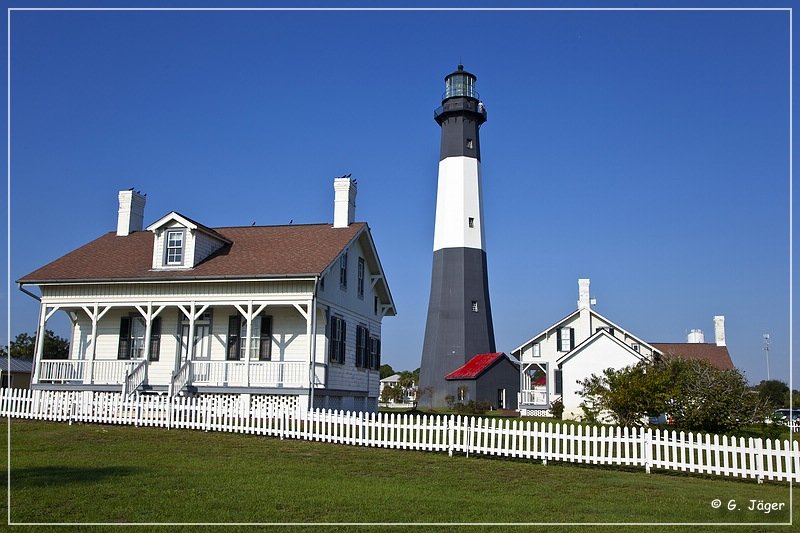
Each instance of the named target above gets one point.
<point>459,211</point>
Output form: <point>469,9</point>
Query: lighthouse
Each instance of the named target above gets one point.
<point>459,323</point>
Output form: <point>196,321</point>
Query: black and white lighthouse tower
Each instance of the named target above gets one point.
<point>459,324</point>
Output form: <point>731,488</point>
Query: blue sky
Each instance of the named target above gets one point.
<point>646,150</point>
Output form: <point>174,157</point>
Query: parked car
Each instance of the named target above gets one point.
<point>784,416</point>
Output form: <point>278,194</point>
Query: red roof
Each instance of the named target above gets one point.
<point>718,356</point>
<point>476,366</point>
<point>255,251</point>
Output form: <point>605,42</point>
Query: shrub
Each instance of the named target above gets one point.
<point>557,409</point>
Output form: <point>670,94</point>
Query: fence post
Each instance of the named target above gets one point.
<point>450,436</point>
<point>71,407</point>
<point>169,412</point>
<point>647,452</point>
<point>759,459</point>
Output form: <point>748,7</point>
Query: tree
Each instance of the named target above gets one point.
<point>386,371</point>
<point>696,395</point>
<point>625,397</point>
<point>774,392</point>
<point>392,393</point>
<point>55,347</point>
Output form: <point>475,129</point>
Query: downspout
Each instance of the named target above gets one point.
<point>29,293</point>
<point>37,361</point>
<point>313,346</point>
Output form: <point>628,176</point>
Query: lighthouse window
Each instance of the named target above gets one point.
<point>474,306</point>
<point>469,144</point>
<point>471,222</point>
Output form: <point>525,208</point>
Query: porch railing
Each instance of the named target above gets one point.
<point>262,373</point>
<point>532,397</point>
<point>70,370</point>
<point>181,378</point>
<point>134,377</point>
<point>61,371</point>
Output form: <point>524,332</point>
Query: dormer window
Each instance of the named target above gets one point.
<point>175,244</point>
<point>180,242</point>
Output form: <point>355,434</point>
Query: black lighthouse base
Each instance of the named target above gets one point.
<point>459,324</point>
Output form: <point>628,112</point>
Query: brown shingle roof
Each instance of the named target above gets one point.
<point>718,356</point>
<point>256,251</point>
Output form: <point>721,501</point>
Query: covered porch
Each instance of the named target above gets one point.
<point>534,393</point>
<point>145,345</point>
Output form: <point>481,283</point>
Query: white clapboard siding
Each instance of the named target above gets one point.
<point>757,459</point>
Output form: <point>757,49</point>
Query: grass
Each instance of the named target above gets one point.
<point>93,473</point>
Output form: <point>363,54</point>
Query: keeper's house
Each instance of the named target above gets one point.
<point>293,311</point>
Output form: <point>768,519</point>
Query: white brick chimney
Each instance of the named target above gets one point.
<point>719,330</point>
<point>131,212</point>
<point>584,301</point>
<point>344,202</point>
<point>696,337</point>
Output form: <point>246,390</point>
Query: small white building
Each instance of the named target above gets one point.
<point>409,393</point>
<point>584,343</point>
<point>293,312</point>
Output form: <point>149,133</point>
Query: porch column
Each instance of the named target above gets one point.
<point>39,349</point>
<point>87,378</point>
<point>313,348</point>
<point>148,327</point>
<point>190,339</point>
<point>249,334</point>
<point>149,315</point>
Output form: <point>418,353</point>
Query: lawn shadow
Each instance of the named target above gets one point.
<point>48,476</point>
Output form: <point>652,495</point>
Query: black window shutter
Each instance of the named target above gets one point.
<point>378,358</point>
<point>329,333</point>
<point>360,346</point>
<point>265,346</point>
<point>571,338</point>
<point>124,350</point>
<point>234,326</point>
<point>155,338</point>
<point>559,381</point>
<point>342,344</point>
<point>558,339</point>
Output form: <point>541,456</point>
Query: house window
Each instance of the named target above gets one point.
<point>635,347</point>
<point>462,393</point>
<point>470,144</point>
<point>537,350</point>
<point>336,340</point>
<point>260,338</point>
<point>361,277</point>
<point>566,339</point>
<point>471,222</point>
<point>343,271</point>
<point>609,329</point>
<point>362,346</point>
<point>474,306</point>
<point>132,336</point>
<point>175,247</point>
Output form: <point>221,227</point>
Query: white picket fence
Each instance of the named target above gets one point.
<point>648,448</point>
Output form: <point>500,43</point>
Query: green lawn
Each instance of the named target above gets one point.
<point>92,473</point>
